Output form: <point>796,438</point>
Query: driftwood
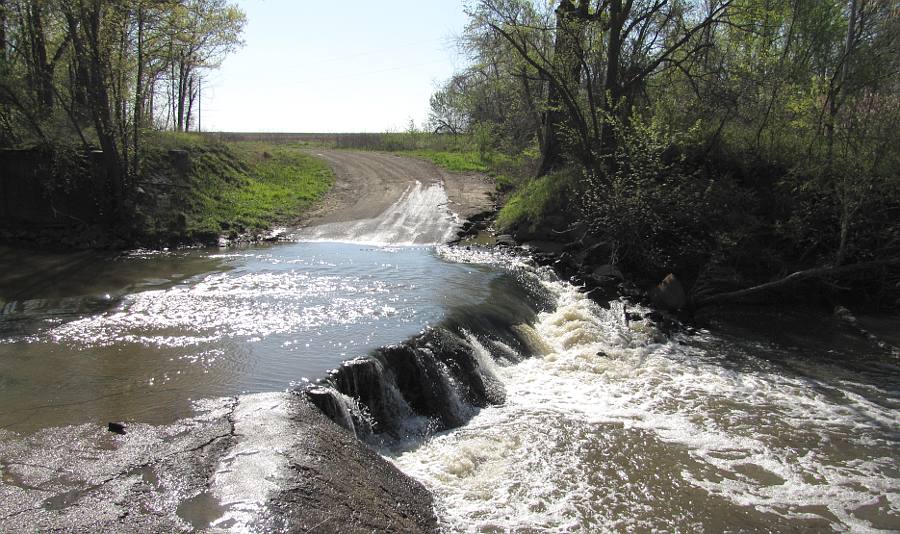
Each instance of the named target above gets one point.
<point>818,272</point>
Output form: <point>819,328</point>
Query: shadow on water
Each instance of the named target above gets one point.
<point>39,286</point>
<point>28,275</point>
<point>812,347</point>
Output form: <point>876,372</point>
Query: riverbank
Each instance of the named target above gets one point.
<point>584,263</point>
<point>208,190</point>
<point>193,190</point>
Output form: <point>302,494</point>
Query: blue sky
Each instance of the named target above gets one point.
<point>330,66</point>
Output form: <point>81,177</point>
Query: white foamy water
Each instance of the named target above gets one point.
<point>419,217</point>
<point>610,431</point>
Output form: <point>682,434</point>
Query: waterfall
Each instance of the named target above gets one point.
<point>434,381</point>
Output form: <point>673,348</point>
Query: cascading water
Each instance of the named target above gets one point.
<point>522,405</point>
<point>612,427</point>
<point>419,217</point>
<point>541,410</point>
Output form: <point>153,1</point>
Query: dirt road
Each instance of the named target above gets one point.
<point>367,183</point>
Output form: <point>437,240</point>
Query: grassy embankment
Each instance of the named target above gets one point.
<point>223,187</point>
<point>525,202</point>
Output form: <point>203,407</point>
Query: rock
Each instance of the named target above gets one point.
<point>844,314</point>
<point>543,258</point>
<point>150,480</point>
<point>669,294</point>
<point>607,271</point>
<point>546,247</point>
<point>505,240</point>
<point>116,428</point>
<point>592,253</point>
<point>604,276</point>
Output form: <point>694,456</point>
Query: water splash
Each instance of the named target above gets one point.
<point>419,217</point>
<point>611,428</point>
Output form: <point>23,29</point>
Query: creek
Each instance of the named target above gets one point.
<point>520,403</point>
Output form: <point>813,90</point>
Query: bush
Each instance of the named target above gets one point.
<point>658,211</point>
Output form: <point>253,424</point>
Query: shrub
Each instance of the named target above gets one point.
<point>657,210</point>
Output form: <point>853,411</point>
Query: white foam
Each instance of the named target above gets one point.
<point>612,431</point>
<point>419,217</point>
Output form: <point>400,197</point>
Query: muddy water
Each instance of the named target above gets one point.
<point>759,423</point>
<point>87,338</point>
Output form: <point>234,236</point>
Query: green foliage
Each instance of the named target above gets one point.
<point>658,210</point>
<point>483,138</point>
<point>104,73</point>
<point>762,138</point>
<point>532,203</point>
<point>231,187</point>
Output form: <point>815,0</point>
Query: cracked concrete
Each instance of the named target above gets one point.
<point>259,463</point>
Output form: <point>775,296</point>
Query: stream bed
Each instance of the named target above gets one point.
<point>521,404</point>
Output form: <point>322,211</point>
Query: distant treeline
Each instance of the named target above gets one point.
<point>384,141</point>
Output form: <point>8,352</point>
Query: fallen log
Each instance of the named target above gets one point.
<point>817,272</point>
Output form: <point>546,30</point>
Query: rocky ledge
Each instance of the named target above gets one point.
<point>261,463</point>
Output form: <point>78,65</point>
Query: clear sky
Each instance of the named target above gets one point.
<point>332,66</point>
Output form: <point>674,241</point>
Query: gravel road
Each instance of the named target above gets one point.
<point>367,183</point>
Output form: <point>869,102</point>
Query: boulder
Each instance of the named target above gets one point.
<point>116,428</point>
<point>505,240</point>
<point>669,294</point>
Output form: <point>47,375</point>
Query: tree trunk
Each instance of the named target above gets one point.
<point>532,109</point>
<point>84,29</point>
<point>837,87</point>
<point>846,215</point>
<point>565,49</point>
<point>42,70</point>
<point>612,87</point>
<point>183,81</point>
<point>191,98</point>
<point>818,272</point>
<point>139,92</point>
<point>3,30</point>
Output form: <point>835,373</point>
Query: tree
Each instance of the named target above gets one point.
<point>604,52</point>
<point>203,32</point>
<point>93,71</point>
<point>448,114</point>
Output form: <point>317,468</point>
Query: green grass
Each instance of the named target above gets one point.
<point>536,199</point>
<point>231,187</point>
<point>467,161</point>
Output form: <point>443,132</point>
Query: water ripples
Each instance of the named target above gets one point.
<point>614,428</point>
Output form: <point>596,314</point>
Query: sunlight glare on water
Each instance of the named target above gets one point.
<point>268,318</point>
